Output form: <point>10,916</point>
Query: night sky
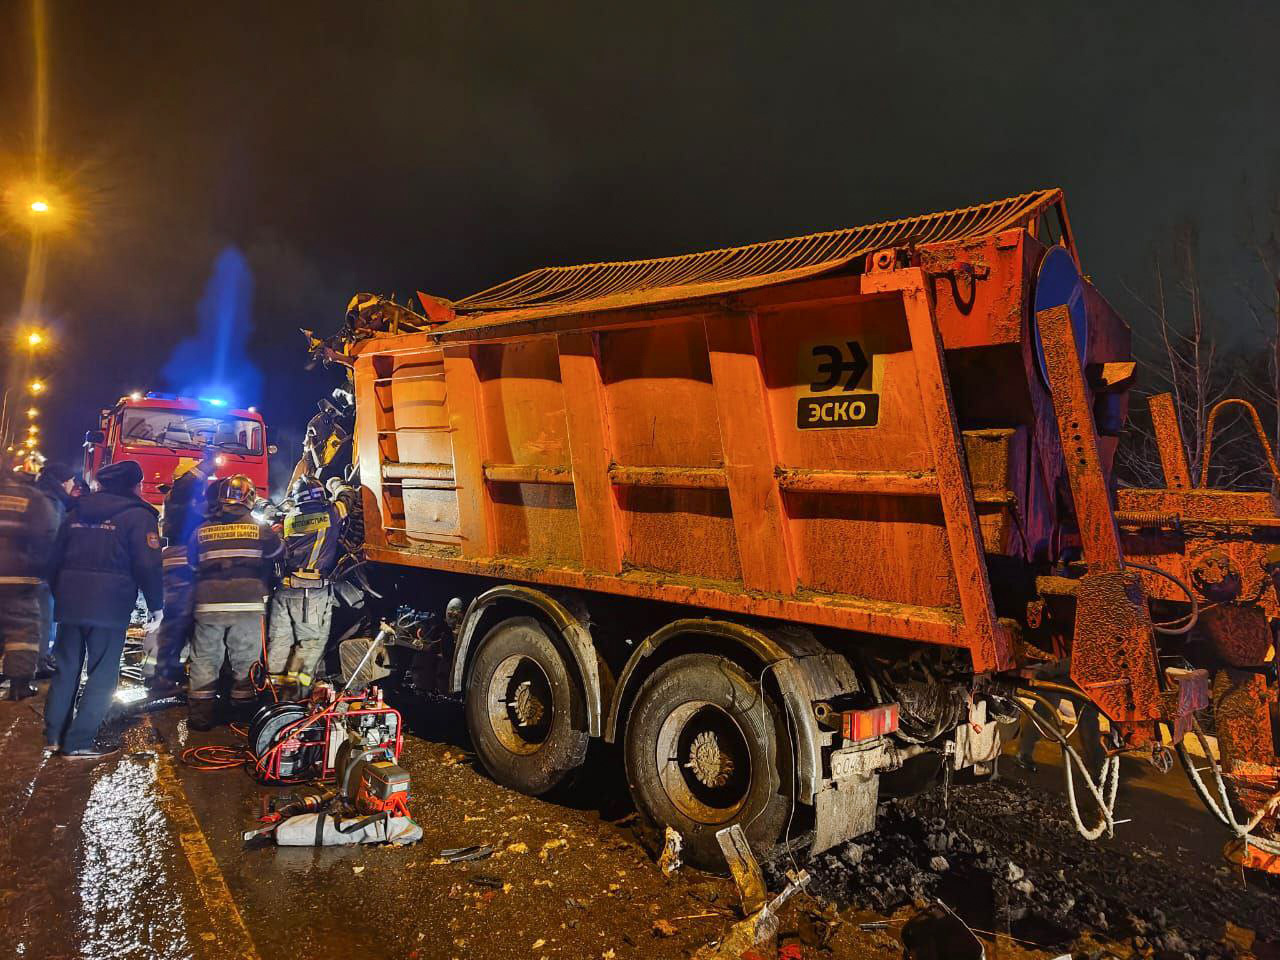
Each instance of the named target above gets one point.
<point>445,146</point>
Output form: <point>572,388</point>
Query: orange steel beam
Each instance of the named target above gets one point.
<point>463,386</point>
<point>889,483</point>
<point>759,517</point>
<point>990,644</point>
<point>878,617</point>
<point>681,478</point>
<point>1113,656</point>
<point>1073,407</point>
<point>589,452</point>
<point>368,453</point>
<point>527,473</point>
<point>1173,453</point>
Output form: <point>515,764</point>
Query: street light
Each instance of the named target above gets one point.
<point>37,386</point>
<point>34,339</point>
<point>39,205</point>
<point>32,413</point>
<point>32,428</point>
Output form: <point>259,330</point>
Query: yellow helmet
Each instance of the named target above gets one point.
<point>237,491</point>
<point>185,466</point>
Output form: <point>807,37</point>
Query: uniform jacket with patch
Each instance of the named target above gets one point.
<point>108,550</point>
<point>184,507</point>
<point>28,532</point>
<point>184,510</point>
<point>311,535</point>
<point>233,557</point>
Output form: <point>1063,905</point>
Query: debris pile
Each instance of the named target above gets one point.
<point>1005,858</point>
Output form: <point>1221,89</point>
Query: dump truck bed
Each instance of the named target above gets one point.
<point>768,430</point>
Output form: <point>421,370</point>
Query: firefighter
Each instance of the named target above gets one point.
<point>28,533</point>
<point>233,557</point>
<point>108,550</point>
<point>303,602</point>
<point>184,508</point>
<point>56,482</point>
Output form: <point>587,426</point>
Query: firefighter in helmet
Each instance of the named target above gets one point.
<point>28,530</point>
<point>233,557</point>
<point>184,508</point>
<point>303,602</point>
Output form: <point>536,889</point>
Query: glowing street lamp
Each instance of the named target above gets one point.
<point>37,386</point>
<point>39,205</point>
<point>34,339</point>
<point>32,413</point>
<point>33,429</point>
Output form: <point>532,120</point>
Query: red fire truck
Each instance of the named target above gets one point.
<point>161,430</point>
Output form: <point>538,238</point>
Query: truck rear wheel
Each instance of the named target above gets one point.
<point>525,711</point>
<point>705,749</point>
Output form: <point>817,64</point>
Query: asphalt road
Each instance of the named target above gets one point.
<point>140,856</point>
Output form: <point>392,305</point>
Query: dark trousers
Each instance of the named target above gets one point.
<point>178,622</point>
<point>47,627</point>
<point>72,724</point>
<point>20,630</point>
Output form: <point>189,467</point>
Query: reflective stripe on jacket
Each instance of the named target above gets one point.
<point>28,532</point>
<point>233,557</point>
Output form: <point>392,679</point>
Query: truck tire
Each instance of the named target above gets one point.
<point>706,749</point>
<point>525,710</point>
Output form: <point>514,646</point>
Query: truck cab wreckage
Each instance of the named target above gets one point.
<point>797,523</point>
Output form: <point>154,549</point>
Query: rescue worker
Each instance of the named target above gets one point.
<point>108,550</point>
<point>233,557</point>
<point>303,603</point>
<point>56,482</point>
<point>184,508</point>
<point>28,534</point>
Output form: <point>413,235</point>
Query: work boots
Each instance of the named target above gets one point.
<point>21,689</point>
<point>202,713</point>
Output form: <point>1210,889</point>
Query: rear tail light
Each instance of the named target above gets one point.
<point>872,722</point>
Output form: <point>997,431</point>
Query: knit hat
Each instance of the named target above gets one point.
<point>120,477</point>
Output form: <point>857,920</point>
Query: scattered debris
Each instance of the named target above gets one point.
<point>759,928</point>
<point>483,880</point>
<point>664,928</point>
<point>551,846</point>
<point>465,854</point>
<point>517,848</point>
<point>744,867</point>
<point>938,934</point>
<point>669,862</point>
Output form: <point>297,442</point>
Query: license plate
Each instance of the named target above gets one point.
<point>850,763</point>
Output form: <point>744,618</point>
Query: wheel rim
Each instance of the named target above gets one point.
<point>704,762</point>
<point>520,704</point>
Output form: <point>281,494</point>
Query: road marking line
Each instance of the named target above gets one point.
<point>233,935</point>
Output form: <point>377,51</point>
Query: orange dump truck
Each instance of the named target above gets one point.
<point>794,523</point>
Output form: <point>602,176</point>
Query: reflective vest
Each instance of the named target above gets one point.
<point>311,535</point>
<point>232,557</point>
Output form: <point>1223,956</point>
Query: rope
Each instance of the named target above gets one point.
<point>1110,778</point>
<point>1225,813</point>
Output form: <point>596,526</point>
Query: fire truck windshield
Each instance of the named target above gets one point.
<point>183,429</point>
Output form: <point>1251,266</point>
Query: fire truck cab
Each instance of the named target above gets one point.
<point>161,430</point>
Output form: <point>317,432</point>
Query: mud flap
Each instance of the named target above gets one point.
<point>846,808</point>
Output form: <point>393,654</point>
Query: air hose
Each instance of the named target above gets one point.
<point>1183,625</point>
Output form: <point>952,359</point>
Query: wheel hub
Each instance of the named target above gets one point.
<point>528,707</point>
<point>710,764</point>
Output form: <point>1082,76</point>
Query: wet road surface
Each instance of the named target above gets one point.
<point>140,856</point>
